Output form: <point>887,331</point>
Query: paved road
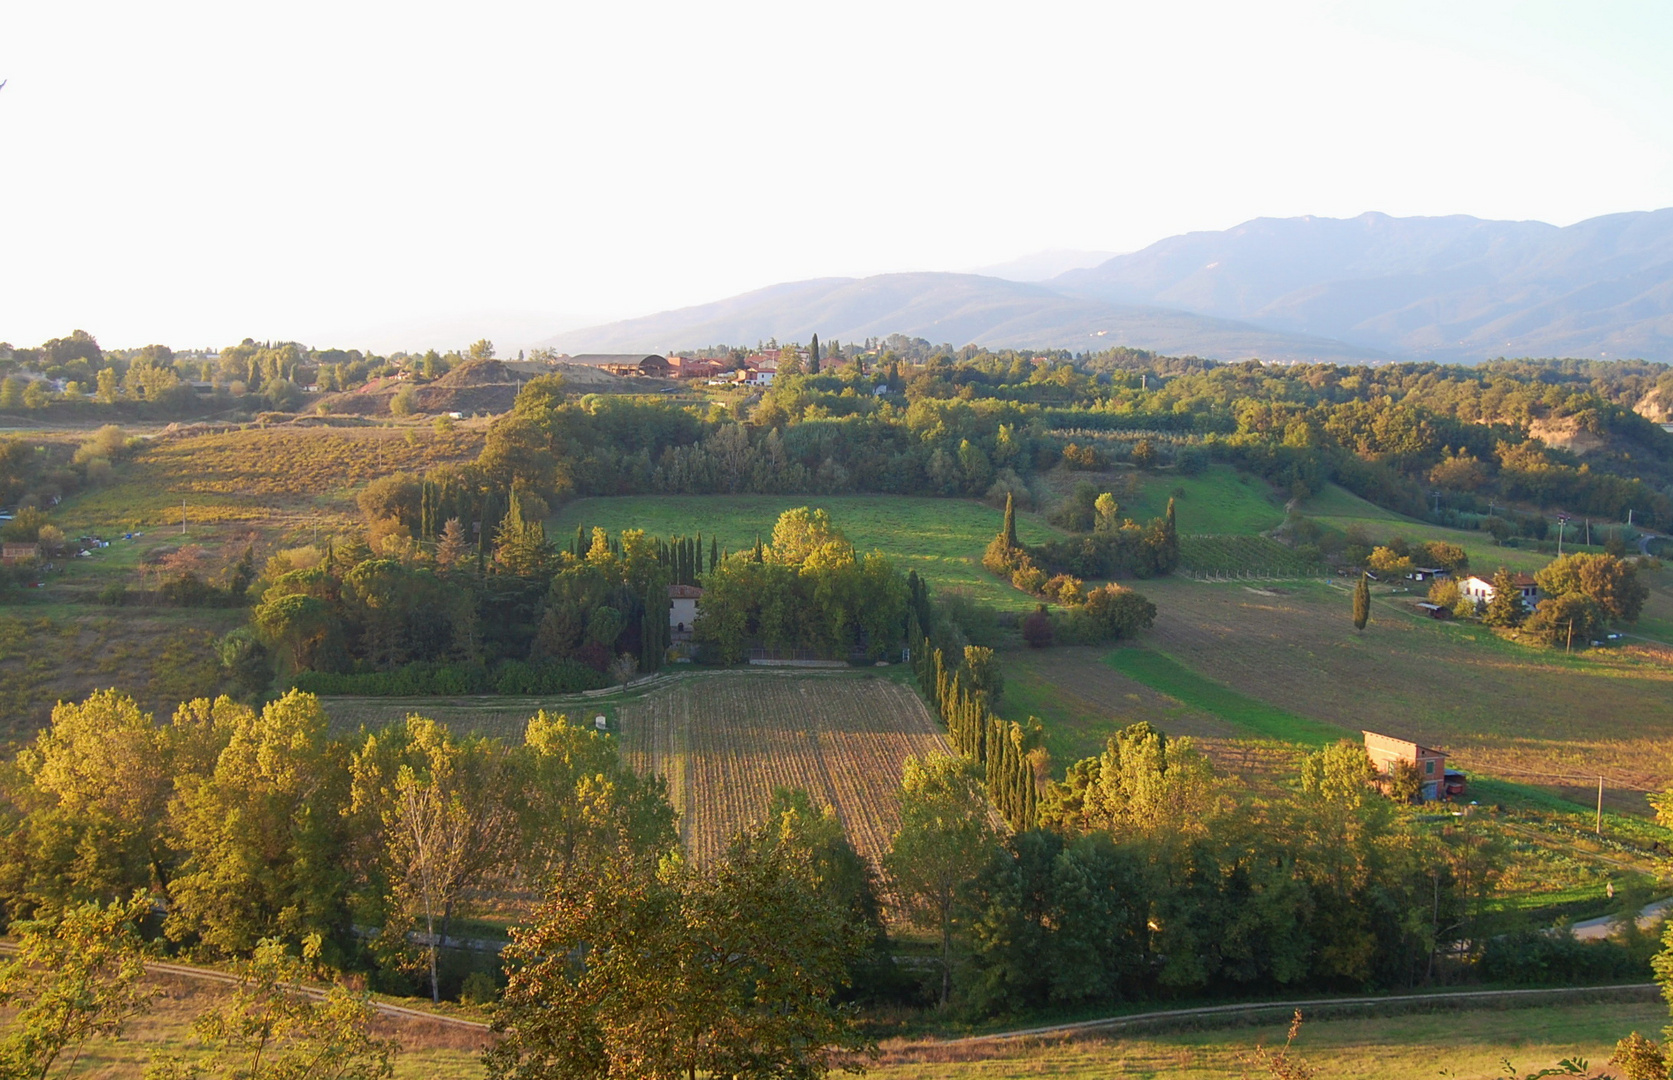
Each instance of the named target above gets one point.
<point>1648,916</point>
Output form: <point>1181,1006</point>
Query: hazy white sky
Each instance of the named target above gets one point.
<point>372,173</point>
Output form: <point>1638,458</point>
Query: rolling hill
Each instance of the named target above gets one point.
<point>1364,289</point>
<point>1446,288</point>
<point>951,308</point>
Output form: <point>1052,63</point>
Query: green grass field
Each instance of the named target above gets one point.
<point>1220,500</point>
<point>1259,719</point>
<point>942,539</point>
<point>1341,509</point>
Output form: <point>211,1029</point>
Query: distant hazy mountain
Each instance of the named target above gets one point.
<point>948,308</point>
<point>1455,288</point>
<point>1367,288</point>
<point>1044,265</point>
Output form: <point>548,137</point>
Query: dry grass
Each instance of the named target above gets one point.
<point>427,1049</point>
<point>260,474</point>
<point>1469,1045</point>
<point>49,654</point>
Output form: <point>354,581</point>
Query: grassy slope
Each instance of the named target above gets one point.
<point>942,539</point>
<point>1467,1044</point>
<point>1221,500</point>
<point>1341,509</point>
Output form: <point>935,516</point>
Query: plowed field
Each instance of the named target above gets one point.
<point>726,740</point>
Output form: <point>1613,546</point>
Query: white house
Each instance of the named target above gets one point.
<point>682,610</point>
<point>1480,589</point>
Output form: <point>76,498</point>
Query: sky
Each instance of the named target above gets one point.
<point>413,174</point>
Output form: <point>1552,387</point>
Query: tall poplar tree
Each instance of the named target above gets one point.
<point>1362,603</point>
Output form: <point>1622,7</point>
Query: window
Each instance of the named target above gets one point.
<point>1429,767</point>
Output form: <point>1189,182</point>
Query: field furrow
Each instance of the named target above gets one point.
<point>726,741</point>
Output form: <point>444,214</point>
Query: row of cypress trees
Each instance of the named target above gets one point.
<point>1002,747</point>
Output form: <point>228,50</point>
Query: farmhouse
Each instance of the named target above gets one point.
<point>1387,753</point>
<point>16,553</point>
<point>1428,573</point>
<point>682,610</point>
<point>1480,589</point>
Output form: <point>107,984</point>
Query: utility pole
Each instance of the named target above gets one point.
<point>1562,520</point>
<point>1599,829</point>
<point>182,517</point>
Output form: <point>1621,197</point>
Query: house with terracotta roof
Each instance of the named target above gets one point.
<point>1388,753</point>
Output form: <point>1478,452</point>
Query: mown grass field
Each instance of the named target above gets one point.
<point>725,739</point>
<point>1218,500</point>
<point>942,539</point>
<point>1468,1045</point>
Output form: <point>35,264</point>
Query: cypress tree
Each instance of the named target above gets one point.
<point>714,552</point>
<point>1011,521</point>
<point>697,567</point>
<point>1362,603</point>
<point>813,356</point>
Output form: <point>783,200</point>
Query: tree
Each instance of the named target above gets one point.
<point>800,532</point>
<point>813,356</point>
<point>447,823</point>
<point>274,1027</point>
<point>982,667</point>
<point>75,976</point>
<point>1505,607</point>
<point>482,349</point>
<point>1362,603</point>
<point>103,773</point>
<point>1562,620</point>
<point>1389,563</point>
<point>1037,629</point>
<point>293,624</point>
<point>452,549</point>
<point>1144,454</point>
<point>405,401</point>
<point>636,970</point>
<point>261,834</point>
<point>1009,531</point>
<point>1611,583</point>
<point>944,839</point>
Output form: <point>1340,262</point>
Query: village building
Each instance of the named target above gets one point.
<point>682,610</point>
<point>1480,589</point>
<point>1434,780</point>
<point>1428,573</point>
<point>652,365</point>
<point>17,553</point>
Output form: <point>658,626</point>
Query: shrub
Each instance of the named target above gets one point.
<point>1029,578</point>
<point>1037,629</point>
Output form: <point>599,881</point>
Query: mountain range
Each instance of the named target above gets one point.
<point>1355,290</point>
